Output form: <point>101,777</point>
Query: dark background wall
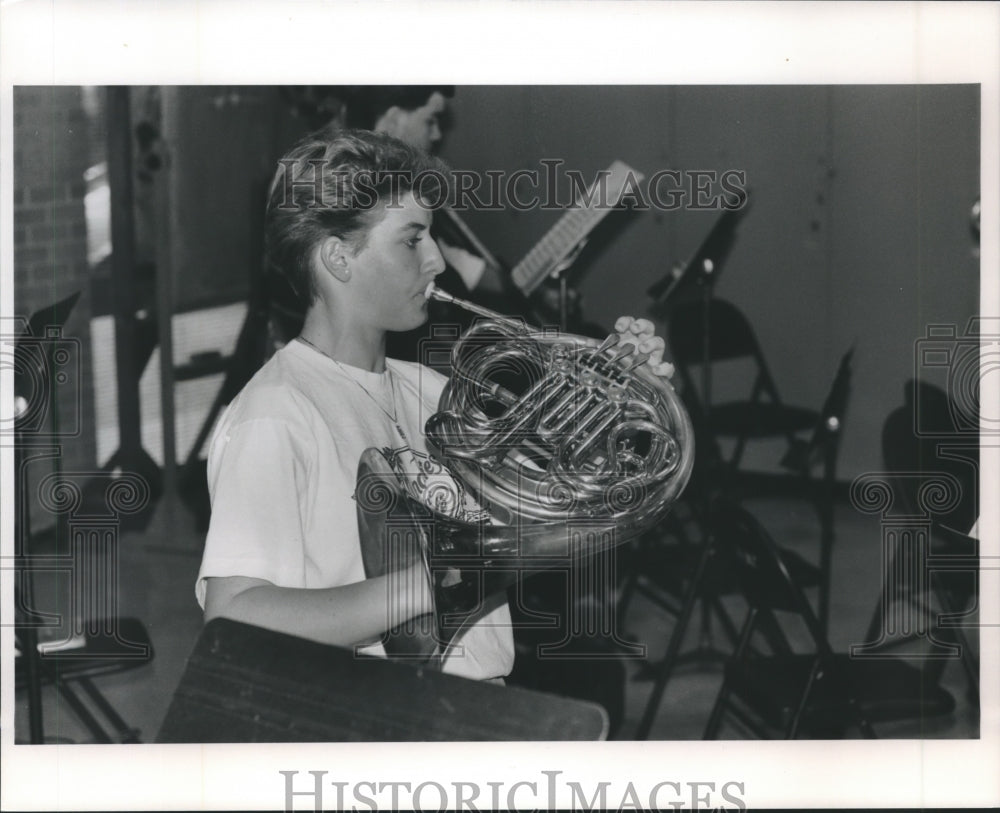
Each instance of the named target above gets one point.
<point>857,233</point>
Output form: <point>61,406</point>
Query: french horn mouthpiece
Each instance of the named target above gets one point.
<point>433,292</point>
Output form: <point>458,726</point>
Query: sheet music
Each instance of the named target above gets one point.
<point>559,242</point>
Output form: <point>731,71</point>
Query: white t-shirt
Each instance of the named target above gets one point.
<point>282,473</point>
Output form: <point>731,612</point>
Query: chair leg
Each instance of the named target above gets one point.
<point>772,632</point>
<point>860,718</point>
<point>737,456</point>
<point>889,593</point>
<point>862,721</point>
<point>29,644</point>
<point>747,721</point>
<point>792,731</point>
<point>723,617</point>
<point>826,541</point>
<point>82,711</point>
<point>795,724</point>
<point>969,664</point>
<point>126,733</point>
<point>628,590</point>
<point>715,718</point>
<point>672,526</point>
<point>674,646</point>
<point>893,591</point>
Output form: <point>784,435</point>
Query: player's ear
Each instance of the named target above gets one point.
<point>333,258</point>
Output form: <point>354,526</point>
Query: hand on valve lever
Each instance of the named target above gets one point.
<point>641,333</point>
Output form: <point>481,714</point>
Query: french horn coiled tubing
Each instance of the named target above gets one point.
<point>591,433</point>
<point>551,433</point>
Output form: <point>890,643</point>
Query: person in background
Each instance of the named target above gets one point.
<point>419,116</point>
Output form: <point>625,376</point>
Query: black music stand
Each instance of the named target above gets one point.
<point>552,256</point>
<point>703,266</point>
<point>558,272</point>
<point>696,279</point>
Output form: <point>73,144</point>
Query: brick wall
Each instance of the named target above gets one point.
<point>51,153</point>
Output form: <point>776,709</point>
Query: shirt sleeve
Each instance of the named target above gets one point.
<point>258,469</point>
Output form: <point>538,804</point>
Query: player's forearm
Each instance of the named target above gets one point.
<point>343,616</point>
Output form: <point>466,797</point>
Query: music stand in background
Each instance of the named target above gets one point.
<point>705,262</point>
<point>697,278</point>
<point>561,245</point>
<point>691,281</point>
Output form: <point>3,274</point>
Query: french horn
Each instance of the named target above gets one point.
<point>571,446</point>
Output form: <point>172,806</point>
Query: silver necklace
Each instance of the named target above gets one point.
<point>392,416</point>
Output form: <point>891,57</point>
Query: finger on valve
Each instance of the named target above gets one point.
<point>655,346</point>
<point>664,369</point>
<point>631,330</point>
<point>643,328</point>
<point>641,334</point>
<point>623,324</point>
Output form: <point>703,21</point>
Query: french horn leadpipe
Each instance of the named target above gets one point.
<point>433,292</point>
<point>570,445</point>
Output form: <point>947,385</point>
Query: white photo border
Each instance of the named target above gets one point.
<point>101,43</point>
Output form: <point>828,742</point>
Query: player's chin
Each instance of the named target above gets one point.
<point>413,318</point>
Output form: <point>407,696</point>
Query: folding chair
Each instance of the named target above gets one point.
<point>99,645</point>
<point>678,578</point>
<point>791,693</point>
<point>703,334</point>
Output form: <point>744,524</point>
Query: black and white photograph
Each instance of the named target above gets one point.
<point>397,435</point>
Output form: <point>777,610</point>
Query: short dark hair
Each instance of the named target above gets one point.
<point>337,183</point>
<point>365,104</point>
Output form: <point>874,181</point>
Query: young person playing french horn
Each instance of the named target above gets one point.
<point>283,549</point>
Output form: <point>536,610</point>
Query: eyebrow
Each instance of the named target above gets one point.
<point>413,225</point>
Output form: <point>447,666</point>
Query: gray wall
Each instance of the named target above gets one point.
<point>858,231</point>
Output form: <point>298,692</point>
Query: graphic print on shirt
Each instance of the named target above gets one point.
<point>430,483</point>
